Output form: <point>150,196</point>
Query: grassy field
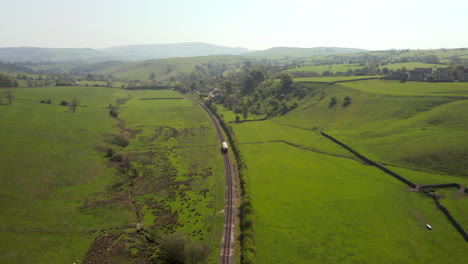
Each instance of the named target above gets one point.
<point>332,68</point>
<point>63,201</point>
<point>49,166</point>
<point>314,208</point>
<point>414,125</point>
<point>315,203</point>
<point>333,78</point>
<point>180,175</point>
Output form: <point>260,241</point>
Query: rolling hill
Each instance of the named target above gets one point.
<point>160,51</point>
<point>303,52</point>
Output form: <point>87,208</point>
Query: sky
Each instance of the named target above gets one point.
<point>252,24</point>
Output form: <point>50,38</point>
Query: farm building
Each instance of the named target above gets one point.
<point>420,74</point>
<point>463,75</point>
<point>444,75</point>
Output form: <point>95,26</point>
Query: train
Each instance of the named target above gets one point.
<point>224,147</point>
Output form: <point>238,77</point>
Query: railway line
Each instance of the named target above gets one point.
<point>227,241</point>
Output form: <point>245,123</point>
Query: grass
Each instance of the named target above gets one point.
<point>415,125</point>
<point>315,208</point>
<point>315,205</point>
<point>49,167</point>
<point>188,181</point>
<point>332,68</point>
<point>58,194</point>
<point>332,79</point>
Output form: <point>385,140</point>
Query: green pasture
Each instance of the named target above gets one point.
<point>420,126</point>
<point>59,193</point>
<point>331,67</point>
<point>332,78</point>
<point>390,87</point>
<point>315,208</point>
<point>49,169</point>
<point>174,146</point>
<point>412,65</point>
<point>315,203</point>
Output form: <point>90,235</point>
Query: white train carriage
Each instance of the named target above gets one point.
<point>224,147</point>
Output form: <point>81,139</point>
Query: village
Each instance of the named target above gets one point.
<point>430,75</point>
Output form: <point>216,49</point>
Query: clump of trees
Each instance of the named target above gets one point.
<point>180,248</point>
<point>7,81</point>
<point>8,94</point>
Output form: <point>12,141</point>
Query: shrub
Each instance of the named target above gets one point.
<point>64,103</point>
<point>332,103</point>
<point>121,141</point>
<point>49,101</point>
<point>43,101</point>
<point>347,101</point>
<point>114,113</point>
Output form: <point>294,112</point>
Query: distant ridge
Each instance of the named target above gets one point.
<point>162,51</point>
<point>156,51</point>
<point>35,54</point>
<point>303,52</point>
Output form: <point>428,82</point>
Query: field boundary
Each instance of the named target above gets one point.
<point>422,188</point>
<point>342,81</point>
<point>370,162</point>
<point>297,146</point>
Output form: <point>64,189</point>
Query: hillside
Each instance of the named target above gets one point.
<point>303,52</point>
<point>414,125</point>
<point>37,55</point>
<point>166,68</point>
<point>160,51</point>
<point>122,53</point>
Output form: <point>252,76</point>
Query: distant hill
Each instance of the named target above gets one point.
<point>303,52</point>
<point>162,51</point>
<point>166,68</point>
<point>38,55</point>
<point>123,53</point>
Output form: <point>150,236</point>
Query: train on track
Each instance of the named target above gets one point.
<point>224,147</point>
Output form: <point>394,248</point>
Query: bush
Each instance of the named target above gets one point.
<point>43,101</point>
<point>114,113</point>
<point>121,141</point>
<point>64,103</point>
<point>332,103</point>
<point>347,101</point>
<point>49,101</point>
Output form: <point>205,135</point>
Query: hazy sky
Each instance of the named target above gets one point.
<point>253,24</point>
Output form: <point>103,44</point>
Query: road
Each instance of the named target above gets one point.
<point>227,242</point>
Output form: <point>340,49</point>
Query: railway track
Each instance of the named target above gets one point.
<point>227,242</point>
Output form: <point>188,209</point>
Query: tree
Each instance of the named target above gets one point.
<point>173,247</point>
<point>9,96</point>
<point>245,111</point>
<point>180,248</point>
<point>74,104</point>
<point>227,86</point>
<point>286,81</point>
<point>153,76</point>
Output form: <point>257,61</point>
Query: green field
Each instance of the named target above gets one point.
<point>332,78</point>
<point>62,200</point>
<point>415,125</point>
<point>49,166</point>
<point>332,68</point>
<point>315,203</point>
<point>314,208</point>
